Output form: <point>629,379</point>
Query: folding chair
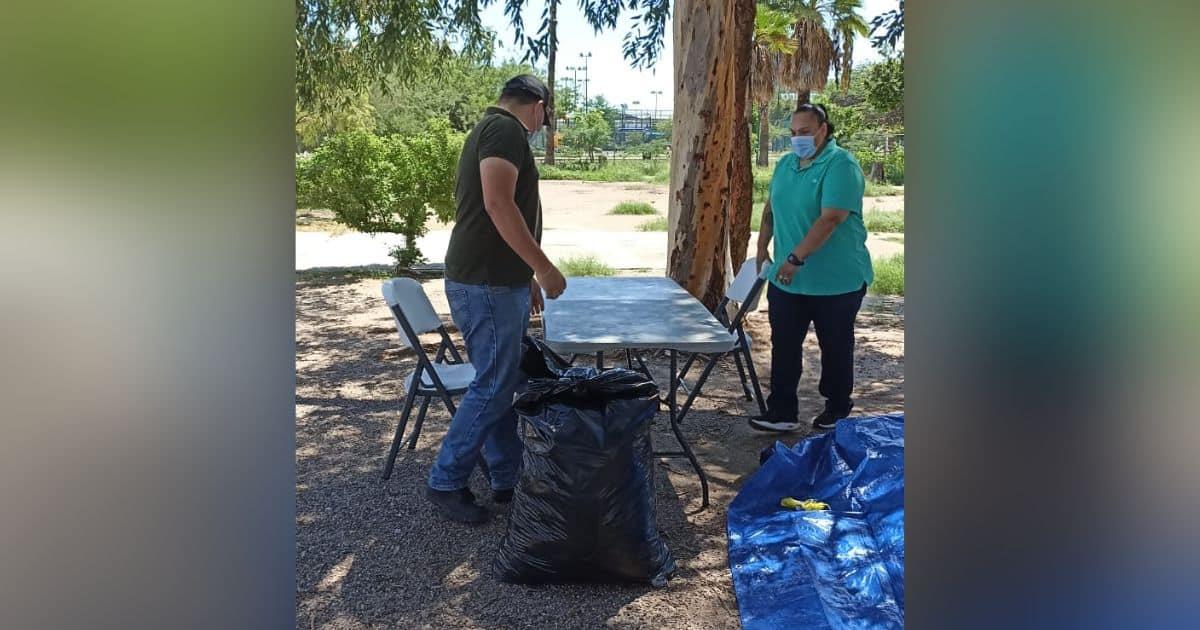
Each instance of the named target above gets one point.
<point>745,291</point>
<point>443,377</point>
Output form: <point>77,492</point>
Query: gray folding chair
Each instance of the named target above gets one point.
<point>442,377</point>
<point>745,291</point>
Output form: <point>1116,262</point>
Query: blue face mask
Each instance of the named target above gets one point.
<point>803,146</point>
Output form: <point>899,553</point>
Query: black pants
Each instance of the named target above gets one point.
<point>833,317</point>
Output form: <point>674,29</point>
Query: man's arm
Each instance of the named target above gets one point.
<point>499,179</point>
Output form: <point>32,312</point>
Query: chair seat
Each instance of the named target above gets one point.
<point>456,377</point>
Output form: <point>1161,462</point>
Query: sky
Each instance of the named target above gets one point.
<point>609,73</point>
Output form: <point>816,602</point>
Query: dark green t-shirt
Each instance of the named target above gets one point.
<point>477,253</point>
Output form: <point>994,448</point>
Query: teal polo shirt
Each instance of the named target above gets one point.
<point>832,180</point>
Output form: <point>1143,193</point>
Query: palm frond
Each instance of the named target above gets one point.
<point>772,41</point>
<point>808,67</point>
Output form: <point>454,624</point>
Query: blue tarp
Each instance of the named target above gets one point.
<point>840,568</point>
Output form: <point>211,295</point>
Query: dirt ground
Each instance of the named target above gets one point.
<point>372,554</point>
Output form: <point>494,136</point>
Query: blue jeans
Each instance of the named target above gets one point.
<point>493,321</point>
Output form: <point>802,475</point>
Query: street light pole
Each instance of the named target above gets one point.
<point>574,86</point>
<point>656,94</point>
<point>585,57</point>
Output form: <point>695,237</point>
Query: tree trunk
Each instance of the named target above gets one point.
<point>741,206</point>
<point>764,134</point>
<point>711,192</point>
<point>553,127</point>
<point>803,97</point>
<point>847,62</point>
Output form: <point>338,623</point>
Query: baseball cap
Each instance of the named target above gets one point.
<point>532,85</point>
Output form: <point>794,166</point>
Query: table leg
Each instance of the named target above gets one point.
<point>673,389</point>
<point>642,365</point>
<point>695,391</point>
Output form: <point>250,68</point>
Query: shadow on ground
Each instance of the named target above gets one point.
<point>372,554</point>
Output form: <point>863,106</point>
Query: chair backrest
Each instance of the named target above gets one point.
<point>407,296</point>
<point>746,289</point>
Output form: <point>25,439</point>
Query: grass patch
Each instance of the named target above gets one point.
<point>762,182</point>
<point>658,224</point>
<point>882,190</point>
<point>884,221</point>
<point>633,207</point>
<point>584,266</point>
<point>658,171</point>
<point>877,222</point>
<point>889,275</point>
<point>645,171</point>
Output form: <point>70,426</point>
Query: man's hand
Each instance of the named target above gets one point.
<point>552,280</point>
<point>763,258</point>
<point>536,302</point>
<point>785,273</point>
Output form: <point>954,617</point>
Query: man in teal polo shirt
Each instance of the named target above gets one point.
<point>820,270</point>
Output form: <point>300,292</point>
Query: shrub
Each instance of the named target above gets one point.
<point>762,182</point>
<point>388,184</point>
<point>884,221</point>
<point>658,224</point>
<point>633,207</point>
<point>893,164</point>
<point>579,266</point>
<point>889,276</point>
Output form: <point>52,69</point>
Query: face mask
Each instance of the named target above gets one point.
<point>530,133</point>
<point>803,146</point>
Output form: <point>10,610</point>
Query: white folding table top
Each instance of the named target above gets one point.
<point>599,314</point>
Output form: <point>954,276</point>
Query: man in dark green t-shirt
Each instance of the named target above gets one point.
<point>496,272</point>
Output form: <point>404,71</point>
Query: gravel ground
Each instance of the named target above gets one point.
<point>372,554</point>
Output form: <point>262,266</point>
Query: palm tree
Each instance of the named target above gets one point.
<point>807,68</point>
<point>772,43</point>
<point>847,24</point>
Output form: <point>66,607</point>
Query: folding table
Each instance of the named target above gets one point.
<point>595,315</point>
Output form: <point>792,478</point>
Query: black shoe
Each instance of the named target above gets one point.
<point>457,505</point>
<point>774,425</point>
<point>828,419</point>
<point>502,496</point>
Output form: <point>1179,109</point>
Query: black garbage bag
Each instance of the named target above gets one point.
<point>584,507</point>
<point>539,361</point>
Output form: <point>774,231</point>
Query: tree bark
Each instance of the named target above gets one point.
<point>803,97</point>
<point>553,127</point>
<point>764,134</point>
<point>847,62</point>
<point>741,205</point>
<point>711,192</point>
